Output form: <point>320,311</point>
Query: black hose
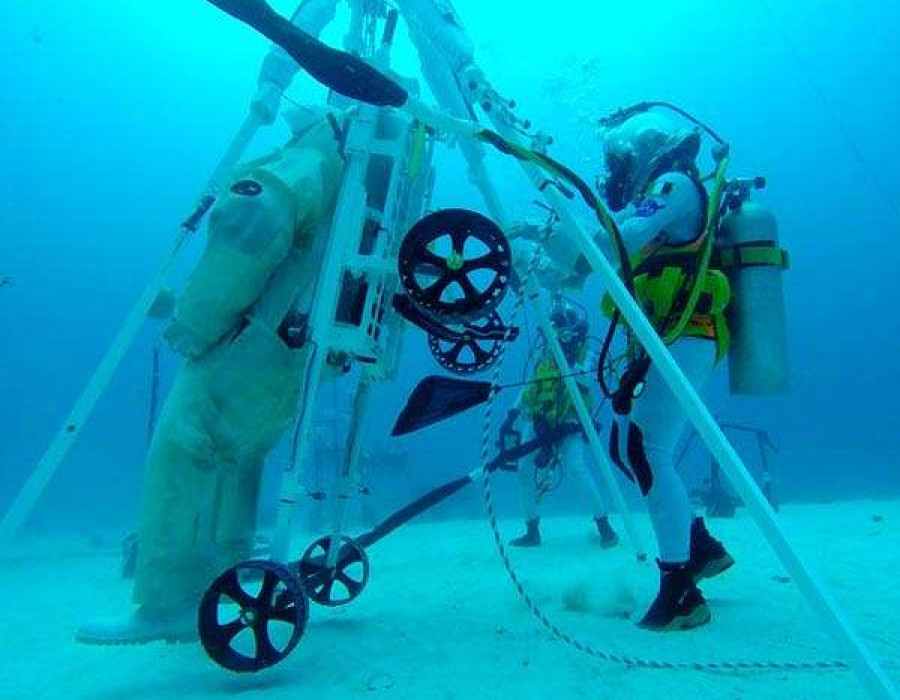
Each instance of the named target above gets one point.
<point>622,115</point>
<point>445,491</point>
<point>407,513</point>
<point>604,355</point>
<point>691,118</point>
<point>562,171</point>
<point>342,72</point>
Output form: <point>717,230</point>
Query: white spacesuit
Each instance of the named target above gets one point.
<point>652,181</point>
<point>546,405</point>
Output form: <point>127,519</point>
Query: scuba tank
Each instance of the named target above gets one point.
<point>750,255</point>
<point>741,241</point>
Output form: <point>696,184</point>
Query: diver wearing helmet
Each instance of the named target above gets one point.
<point>546,405</point>
<point>653,184</point>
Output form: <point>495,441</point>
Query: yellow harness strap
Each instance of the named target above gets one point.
<point>709,241</point>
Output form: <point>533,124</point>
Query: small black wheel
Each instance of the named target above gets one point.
<point>456,264</point>
<point>468,354</point>
<point>252,616</point>
<point>333,586</point>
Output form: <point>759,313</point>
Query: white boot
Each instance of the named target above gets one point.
<point>141,626</point>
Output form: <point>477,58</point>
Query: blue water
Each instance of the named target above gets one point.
<point>114,113</point>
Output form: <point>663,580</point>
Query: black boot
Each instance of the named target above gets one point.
<point>708,556</point>
<point>679,604</point>
<point>532,536</point>
<point>608,537</point>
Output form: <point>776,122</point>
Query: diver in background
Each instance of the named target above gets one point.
<point>653,181</point>
<point>239,327</point>
<point>547,405</point>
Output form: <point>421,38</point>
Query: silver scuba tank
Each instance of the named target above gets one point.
<point>751,257</point>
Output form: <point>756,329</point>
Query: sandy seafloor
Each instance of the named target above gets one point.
<point>440,619</point>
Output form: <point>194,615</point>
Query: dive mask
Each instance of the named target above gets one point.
<point>619,185</point>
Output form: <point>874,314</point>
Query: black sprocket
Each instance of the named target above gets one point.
<point>456,264</point>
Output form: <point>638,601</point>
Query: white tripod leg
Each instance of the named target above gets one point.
<point>573,458</point>
<point>607,470</point>
<point>868,669</point>
<point>275,76</point>
<point>445,86</point>
<point>870,672</point>
<point>84,406</point>
<point>438,56</point>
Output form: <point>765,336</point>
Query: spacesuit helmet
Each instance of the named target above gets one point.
<point>569,320</point>
<point>640,149</point>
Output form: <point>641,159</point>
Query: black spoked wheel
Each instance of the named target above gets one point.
<point>456,264</point>
<point>337,585</point>
<point>468,353</point>
<point>252,616</point>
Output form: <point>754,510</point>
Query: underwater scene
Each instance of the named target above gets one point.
<point>403,349</point>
